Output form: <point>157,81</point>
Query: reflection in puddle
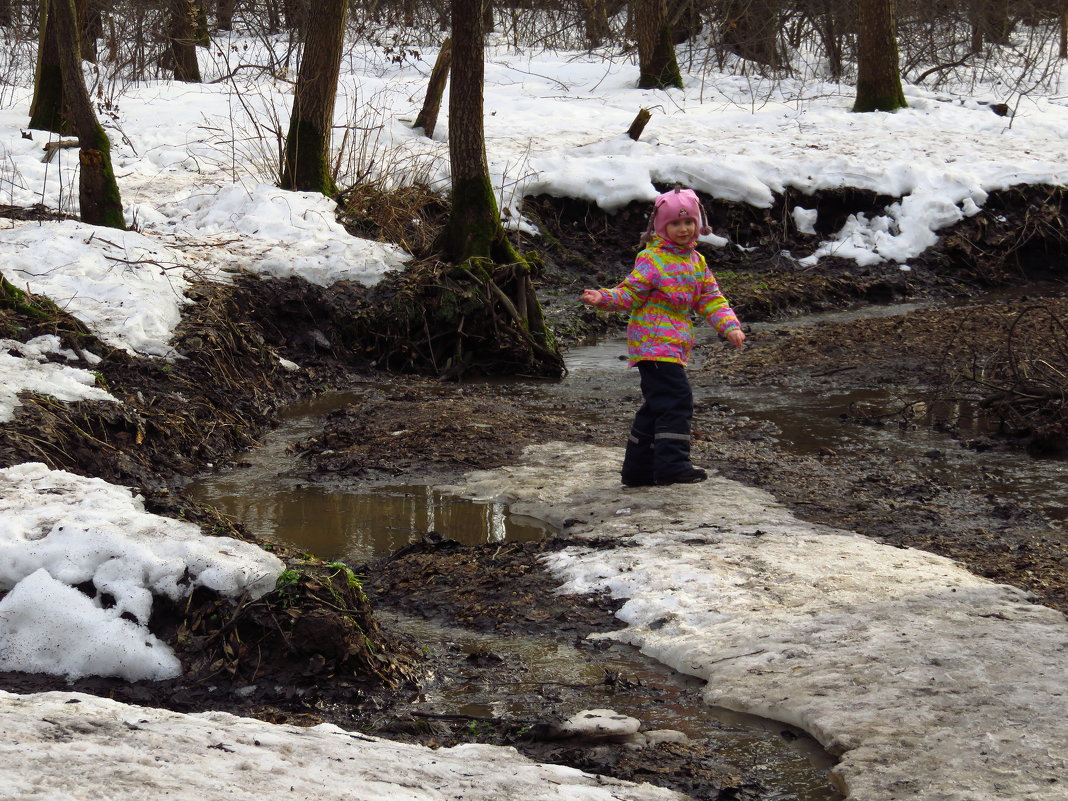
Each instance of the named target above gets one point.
<point>360,526</point>
<point>783,757</point>
<point>353,524</point>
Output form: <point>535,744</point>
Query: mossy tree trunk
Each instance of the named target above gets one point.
<point>182,37</point>
<point>657,64</point>
<point>48,110</point>
<point>203,35</point>
<point>473,237</point>
<point>306,164</point>
<point>878,70</point>
<point>98,192</point>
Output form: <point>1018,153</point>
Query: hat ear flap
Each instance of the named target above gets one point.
<point>705,228</point>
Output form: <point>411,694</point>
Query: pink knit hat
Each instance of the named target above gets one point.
<point>676,204</point>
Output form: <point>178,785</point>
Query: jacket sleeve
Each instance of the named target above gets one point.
<point>713,306</point>
<point>633,289</point>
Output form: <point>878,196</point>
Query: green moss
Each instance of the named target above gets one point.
<point>663,71</point>
<point>307,165</point>
<point>101,204</point>
<point>890,102</point>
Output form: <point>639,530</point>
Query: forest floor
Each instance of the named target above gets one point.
<point>450,428</point>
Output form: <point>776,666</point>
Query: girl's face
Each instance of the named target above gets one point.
<point>682,231</point>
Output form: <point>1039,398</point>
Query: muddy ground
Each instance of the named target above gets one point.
<point>226,393</point>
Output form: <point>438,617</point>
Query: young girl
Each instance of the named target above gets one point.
<point>670,280</point>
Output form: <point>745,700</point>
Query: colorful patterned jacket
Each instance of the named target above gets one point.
<point>669,282</point>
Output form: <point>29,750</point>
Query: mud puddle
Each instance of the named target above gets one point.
<point>490,679</point>
<point>844,421</point>
<point>354,523</point>
<point>535,679</point>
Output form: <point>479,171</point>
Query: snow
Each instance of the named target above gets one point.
<point>25,368</point>
<point>59,530</point>
<point>931,682</point>
<point>102,749</point>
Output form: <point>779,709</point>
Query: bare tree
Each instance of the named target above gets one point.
<point>990,22</point>
<point>91,24</point>
<point>1063,20</point>
<point>224,14</point>
<point>48,111</point>
<point>435,89</point>
<point>473,237</point>
<point>306,164</point>
<point>98,193</point>
<point>878,72</point>
<point>182,39</point>
<point>595,14</point>
<point>657,64</point>
<point>750,28</point>
<point>830,20</point>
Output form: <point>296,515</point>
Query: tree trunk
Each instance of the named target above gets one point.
<point>7,14</point>
<point>182,35</point>
<point>297,19</point>
<point>829,20</point>
<point>975,20</point>
<point>658,68</point>
<point>510,324</point>
<point>435,89</point>
<point>91,23</point>
<point>48,111</point>
<point>203,35</point>
<point>995,21</point>
<point>474,227</point>
<point>306,165</point>
<point>1064,29</point>
<point>224,15</point>
<point>750,28</point>
<point>878,72</point>
<point>685,21</point>
<point>595,13</point>
<point>98,193</point>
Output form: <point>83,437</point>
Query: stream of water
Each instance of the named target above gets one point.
<point>357,525</point>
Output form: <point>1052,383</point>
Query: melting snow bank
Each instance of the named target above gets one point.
<point>73,746</point>
<point>60,533</point>
<point>930,682</point>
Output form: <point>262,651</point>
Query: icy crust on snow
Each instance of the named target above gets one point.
<point>275,232</point>
<point>63,746</point>
<point>930,682</point>
<point>24,368</point>
<point>127,288</point>
<point>58,531</point>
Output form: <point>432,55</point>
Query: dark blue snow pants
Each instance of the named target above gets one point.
<point>659,443</point>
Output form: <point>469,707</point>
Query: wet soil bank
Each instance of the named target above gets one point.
<point>180,417</point>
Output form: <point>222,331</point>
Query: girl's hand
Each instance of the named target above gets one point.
<point>590,296</point>
<point>736,337</point>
